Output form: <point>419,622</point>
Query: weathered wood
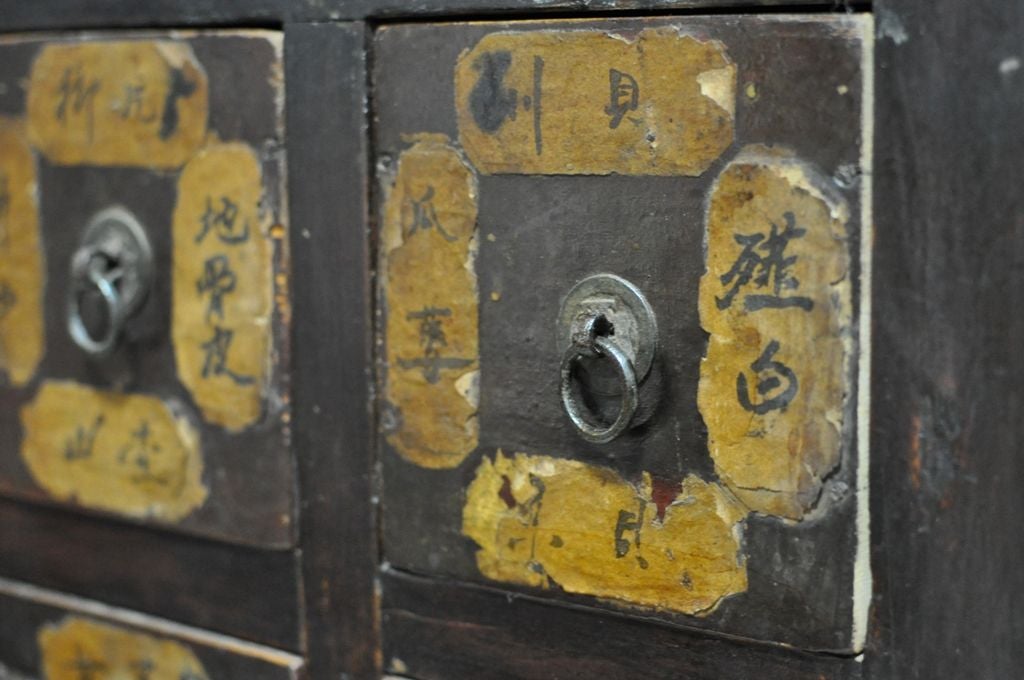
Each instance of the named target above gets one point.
<point>333,435</point>
<point>245,592</point>
<point>947,472</point>
<point>436,630</point>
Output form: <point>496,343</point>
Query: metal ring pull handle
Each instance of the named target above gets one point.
<point>105,283</point>
<point>602,346</point>
<point>114,259</point>
<point>604,316</point>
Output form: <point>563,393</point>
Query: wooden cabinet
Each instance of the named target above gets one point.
<point>503,339</point>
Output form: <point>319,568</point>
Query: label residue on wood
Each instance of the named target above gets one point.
<point>541,521</point>
<point>78,648</point>
<point>125,453</point>
<point>776,299</point>
<point>122,103</point>
<point>22,274</point>
<point>223,284</point>
<point>590,102</point>
<point>430,293</point>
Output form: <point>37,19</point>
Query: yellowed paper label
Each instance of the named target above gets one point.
<point>592,102</point>
<point>125,453</point>
<point>122,103</point>
<point>776,300</point>
<point>429,247</point>
<point>542,521</point>
<point>79,649</point>
<point>223,284</point>
<point>22,272</point>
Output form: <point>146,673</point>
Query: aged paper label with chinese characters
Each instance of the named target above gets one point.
<point>592,102</point>
<point>124,103</point>
<point>776,299</point>
<point>542,521</point>
<point>22,274</point>
<point>223,291</point>
<point>130,454</point>
<point>430,293</point>
<point>78,648</point>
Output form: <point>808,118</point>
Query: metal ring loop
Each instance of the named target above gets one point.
<point>594,433</point>
<point>115,311</point>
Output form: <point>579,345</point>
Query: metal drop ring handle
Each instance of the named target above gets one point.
<point>116,311</point>
<point>601,346</point>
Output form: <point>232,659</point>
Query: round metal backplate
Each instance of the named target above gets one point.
<point>118,236</point>
<point>634,327</point>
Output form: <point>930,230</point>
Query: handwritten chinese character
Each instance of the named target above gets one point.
<point>143,670</point>
<point>5,206</point>
<point>424,216</point>
<point>8,299</point>
<point>218,280</point>
<point>77,94</point>
<point>133,104</point>
<point>624,96</point>
<point>80,446</point>
<point>138,453</point>
<point>216,360</point>
<point>776,384</point>
<point>769,270</point>
<point>433,339</point>
<point>630,522</point>
<point>86,668</point>
<point>223,221</point>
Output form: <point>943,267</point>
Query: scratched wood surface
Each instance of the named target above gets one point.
<point>248,475</point>
<point>45,634</point>
<point>797,87</point>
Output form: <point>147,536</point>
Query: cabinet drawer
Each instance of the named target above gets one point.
<point>674,209</point>
<point>144,273</point>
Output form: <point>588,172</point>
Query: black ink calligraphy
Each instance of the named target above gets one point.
<point>80,445</point>
<point>630,522</point>
<point>86,668</point>
<point>624,96</point>
<point>8,299</point>
<point>433,339</point>
<point>215,362</point>
<point>218,280</point>
<point>181,87</point>
<point>424,216</point>
<point>763,264</point>
<point>492,103</point>
<point>221,217</point>
<point>77,95</point>
<point>776,384</point>
<point>133,104</point>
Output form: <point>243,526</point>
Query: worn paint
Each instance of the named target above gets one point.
<point>776,299</point>
<point>542,521</point>
<point>589,102</point>
<point>22,271</point>
<point>79,648</point>
<point>430,293</point>
<point>223,291</point>
<point>136,103</point>
<point>130,454</point>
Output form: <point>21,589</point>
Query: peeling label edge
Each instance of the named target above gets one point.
<point>862,576</point>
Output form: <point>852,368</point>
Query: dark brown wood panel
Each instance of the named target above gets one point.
<point>326,70</point>
<point>947,470</point>
<point>435,630</point>
<point>245,592</point>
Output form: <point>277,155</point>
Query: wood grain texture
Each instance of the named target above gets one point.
<point>251,594</point>
<point>481,633</point>
<point>947,470</point>
<point>326,71</point>
<point>18,15</point>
